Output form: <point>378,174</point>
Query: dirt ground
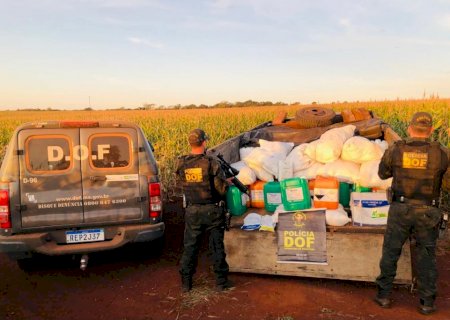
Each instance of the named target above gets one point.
<point>127,284</point>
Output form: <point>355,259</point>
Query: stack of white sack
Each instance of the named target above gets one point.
<point>337,218</point>
<point>328,147</point>
<point>337,153</point>
<point>264,161</point>
<point>368,176</point>
<point>305,166</point>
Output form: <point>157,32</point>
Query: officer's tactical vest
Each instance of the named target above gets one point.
<point>198,185</point>
<point>417,170</point>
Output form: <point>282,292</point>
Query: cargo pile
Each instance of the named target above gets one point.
<point>338,172</point>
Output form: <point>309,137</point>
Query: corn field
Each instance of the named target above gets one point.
<point>167,129</point>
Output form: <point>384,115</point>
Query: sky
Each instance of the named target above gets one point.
<point>76,54</point>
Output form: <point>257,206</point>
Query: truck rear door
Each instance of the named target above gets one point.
<point>50,178</point>
<point>110,175</point>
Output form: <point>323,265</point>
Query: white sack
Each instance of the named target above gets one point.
<point>310,172</point>
<point>270,164</point>
<point>345,171</point>
<point>255,158</point>
<point>298,159</point>
<point>382,144</point>
<point>329,147</point>
<point>310,149</point>
<point>277,147</point>
<point>246,175</point>
<point>256,161</point>
<point>244,152</point>
<point>328,150</point>
<point>360,150</point>
<point>285,170</point>
<point>275,214</point>
<point>340,135</point>
<point>368,176</point>
<point>262,174</point>
<point>338,217</point>
<point>260,158</point>
<point>238,165</point>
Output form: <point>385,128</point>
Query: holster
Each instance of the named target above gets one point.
<point>227,220</point>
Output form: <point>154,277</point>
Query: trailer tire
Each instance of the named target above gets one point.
<point>311,117</point>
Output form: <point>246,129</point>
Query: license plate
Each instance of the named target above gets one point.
<point>90,235</point>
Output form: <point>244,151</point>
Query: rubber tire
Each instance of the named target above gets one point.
<point>312,117</point>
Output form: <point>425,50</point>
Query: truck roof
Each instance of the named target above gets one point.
<point>52,124</point>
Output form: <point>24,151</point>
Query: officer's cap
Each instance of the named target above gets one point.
<point>422,120</point>
<point>197,136</point>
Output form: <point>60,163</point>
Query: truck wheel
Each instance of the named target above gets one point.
<point>311,117</point>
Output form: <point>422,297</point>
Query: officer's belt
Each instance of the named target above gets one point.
<point>417,202</point>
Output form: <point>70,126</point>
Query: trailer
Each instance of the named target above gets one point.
<point>353,252</point>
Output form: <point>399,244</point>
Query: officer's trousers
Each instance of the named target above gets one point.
<point>422,222</point>
<point>200,219</point>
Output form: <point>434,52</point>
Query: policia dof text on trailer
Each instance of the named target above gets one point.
<point>204,187</point>
<point>420,171</point>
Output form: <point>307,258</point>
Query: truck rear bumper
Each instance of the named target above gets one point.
<point>52,243</point>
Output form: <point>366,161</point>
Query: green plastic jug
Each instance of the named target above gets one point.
<point>236,201</point>
<point>359,188</point>
<point>344,194</point>
<point>295,194</point>
<point>272,195</point>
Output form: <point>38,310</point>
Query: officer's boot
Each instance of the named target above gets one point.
<point>186,284</point>
<point>426,307</point>
<point>223,284</point>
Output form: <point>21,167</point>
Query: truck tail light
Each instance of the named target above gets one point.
<point>155,201</point>
<point>5,214</point>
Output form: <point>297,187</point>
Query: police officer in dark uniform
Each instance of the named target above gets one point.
<point>204,186</point>
<point>420,170</point>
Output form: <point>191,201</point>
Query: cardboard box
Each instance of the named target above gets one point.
<point>369,208</point>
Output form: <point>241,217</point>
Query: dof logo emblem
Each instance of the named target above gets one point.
<point>194,175</point>
<point>415,160</point>
<point>299,218</point>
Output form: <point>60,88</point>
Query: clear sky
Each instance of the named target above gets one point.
<point>124,53</point>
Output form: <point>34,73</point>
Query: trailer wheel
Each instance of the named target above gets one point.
<point>310,117</point>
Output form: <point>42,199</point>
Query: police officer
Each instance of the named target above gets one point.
<point>204,186</point>
<point>420,170</point>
